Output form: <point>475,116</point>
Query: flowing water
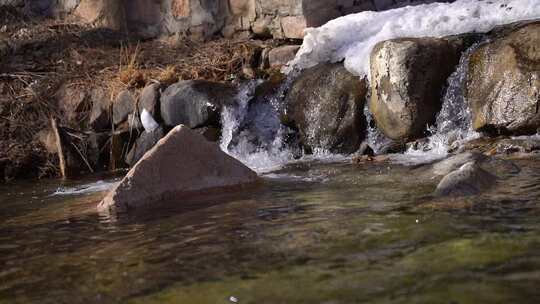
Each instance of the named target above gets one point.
<point>453,125</point>
<point>317,230</point>
<point>313,232</point>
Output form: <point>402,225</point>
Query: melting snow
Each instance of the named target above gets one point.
<point>353,37</point>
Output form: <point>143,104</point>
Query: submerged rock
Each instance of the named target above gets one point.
<point>195,103</point>
<point>326,105</point>
<point>407,80</point>
<point>454,162</point>
<point>503,87</point>
<point>469,179</point>
<point>181,164</point>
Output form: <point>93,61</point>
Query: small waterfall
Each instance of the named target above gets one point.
<point>252,131</point>
<point>375,137</point>
<point>454,122</point>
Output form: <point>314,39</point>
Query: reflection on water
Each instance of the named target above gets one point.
<point>314,232</point>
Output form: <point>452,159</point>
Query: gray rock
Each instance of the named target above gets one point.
<point>280,56</point>
<point>124,105</point>
<point>183,163</point>
<point>503,86</point>
<point>454,162</point>
<point>99,116</point>
<point>144,143</point>
<point>469,179</point>
<point>407,80</point>
<point>195,103</point>
<point>149,99</point>
<point>326,105</point>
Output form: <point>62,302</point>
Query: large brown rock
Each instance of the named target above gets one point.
<point>326,105</point>
<point>407,80</point>
<point>182,163</point>
<point>503,87</point>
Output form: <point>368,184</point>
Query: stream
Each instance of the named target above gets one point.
<point>318,229</point>
<point>313,232</point>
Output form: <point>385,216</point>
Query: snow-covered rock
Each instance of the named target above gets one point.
<point>353,37</point>
<point>407,80</point>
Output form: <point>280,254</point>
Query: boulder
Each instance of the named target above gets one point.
<point>149,99</point>
<point>407,80</point>
<point>144,143</point>
<point>103,13</point>
<point>195,103</point>
<point>293,26</point>
<point>124,105</point>
<point>280,56</point>
<point>503,86</point>
<point>469,179</point>
<point>183,163</point>
<point>326,103</point>
<point>99,116</point>
<point>454,162</point>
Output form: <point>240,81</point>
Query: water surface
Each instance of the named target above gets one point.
<point>313,232</point>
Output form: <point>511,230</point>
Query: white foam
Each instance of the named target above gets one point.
<point>99,186</point>
<point>352,37</point>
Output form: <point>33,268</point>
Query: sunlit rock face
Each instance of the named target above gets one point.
<point>182,164</point>
<point>503,87</point>
<point>407,81</point>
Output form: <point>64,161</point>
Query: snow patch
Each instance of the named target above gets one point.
<point>352,37</point>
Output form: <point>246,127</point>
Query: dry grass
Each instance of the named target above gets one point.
<point>51,53</point>
<point>129,72</point>
<point>168,75</point>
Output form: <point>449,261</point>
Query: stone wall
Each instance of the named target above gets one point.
<point>206,18</point>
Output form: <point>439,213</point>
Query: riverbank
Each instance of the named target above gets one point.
<point>60,68</point>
